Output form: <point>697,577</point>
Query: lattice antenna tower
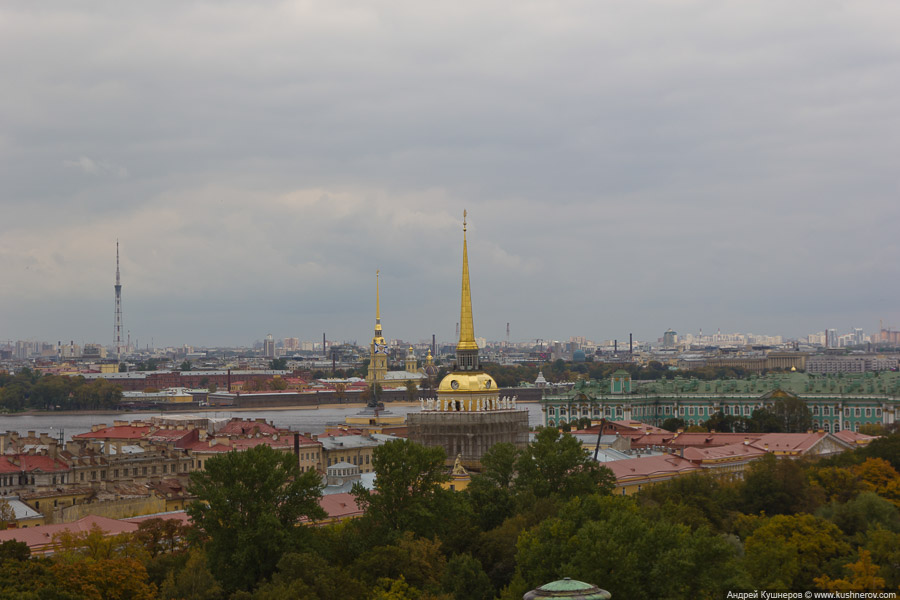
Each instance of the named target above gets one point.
<point>117,334</point>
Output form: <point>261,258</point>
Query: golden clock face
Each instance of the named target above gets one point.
<point>454,384</point>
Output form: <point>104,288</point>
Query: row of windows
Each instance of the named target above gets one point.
<point>356,460</point>
<point>736,410</point>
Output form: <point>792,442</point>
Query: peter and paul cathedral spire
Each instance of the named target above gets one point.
<point>378,350</point>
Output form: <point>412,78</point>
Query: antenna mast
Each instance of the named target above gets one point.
<point>117,334</point>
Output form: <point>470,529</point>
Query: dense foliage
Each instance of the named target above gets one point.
<point>29,389</point>
<point>531,516</point>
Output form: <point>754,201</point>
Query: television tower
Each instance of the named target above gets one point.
<point>118,328</point>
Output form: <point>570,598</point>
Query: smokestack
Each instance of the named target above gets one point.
<point>615,346</point>
<point>324,353</point>
<point>630,344</point>
<point>433,345</point>
<point>228,381</point>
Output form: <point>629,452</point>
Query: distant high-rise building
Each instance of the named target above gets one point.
<point>670,338</point>
<point>269,347</point>
<point>291,344</point>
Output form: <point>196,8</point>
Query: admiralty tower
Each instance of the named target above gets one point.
<point>468,416</point>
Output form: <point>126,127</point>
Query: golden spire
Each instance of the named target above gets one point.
<point>466,324</point>
<point>377,304</point>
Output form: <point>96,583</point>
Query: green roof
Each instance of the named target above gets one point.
<point>567,585</point>
<point>568,588</point>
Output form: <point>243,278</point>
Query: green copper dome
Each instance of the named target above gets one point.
<point>568,588</point>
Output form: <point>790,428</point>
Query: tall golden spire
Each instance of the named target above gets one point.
<point>377,305</point>
<point>466,324</point>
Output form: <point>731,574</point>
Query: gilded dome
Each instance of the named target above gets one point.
<point>467,383</point>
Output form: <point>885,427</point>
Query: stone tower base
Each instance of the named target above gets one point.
<point>469,434</point>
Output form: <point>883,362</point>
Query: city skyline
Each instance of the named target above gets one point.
<point>627,169</point>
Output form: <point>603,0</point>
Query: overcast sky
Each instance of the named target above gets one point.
<point>627,167</point>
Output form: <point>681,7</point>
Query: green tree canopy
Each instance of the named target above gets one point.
<point>407,494</point>
<point>556,463</point>
<point>249,504</point>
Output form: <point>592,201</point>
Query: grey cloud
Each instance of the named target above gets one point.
<point>626,165</point>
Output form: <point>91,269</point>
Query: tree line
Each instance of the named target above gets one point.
<point>30,390</point>
<point>529,517</point>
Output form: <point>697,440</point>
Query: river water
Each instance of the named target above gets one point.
<point>307,420</point>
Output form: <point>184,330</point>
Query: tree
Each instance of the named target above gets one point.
<point>557,464</point>
<point>673,424</point>
<point>7,514</point>
<point>465,579</point>
<point>887,447</point>
<point>13,550</point>
<point>863,577</point>
<point>186,365</point>
<point>407,494</point>
<point>162,536</point>
<point>249,504</point>
<point>106,579</point>
<point>308,576</point>
<point>278,364</point>
<point>792,413</point>
<point>606,539</point>
<point>867,510</point>
<point>412,391</point>
<point>123,368</point>
<point>765,421</point>
<point>193,582</point>
<point>777,486</point>
<point>789,551</point>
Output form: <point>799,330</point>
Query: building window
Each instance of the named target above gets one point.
<point>815,411</point>
<point>691,413</point>
<point>868,412</point>
<point>847,413</point>
<point>153,470</point>
<point>115,473</point>
<point>82,476</point>
<point>877,412</point>
<point>856,412</point>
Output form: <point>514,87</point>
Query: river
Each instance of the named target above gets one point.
<point>307,420</point>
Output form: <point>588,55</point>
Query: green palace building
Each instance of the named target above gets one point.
<point>837,402</point>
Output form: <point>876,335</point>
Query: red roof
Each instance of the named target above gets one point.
<point>687,440</point>
<point>723,453</point>
<point>40,538</point>
<point>853,437</point>
<point>117,432</point>
<point>242,427</point>
<point>340,506</point>
<point>31,462</point>
<point>788,442</point>
<point>648,466</point>
<point>203,446</point>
